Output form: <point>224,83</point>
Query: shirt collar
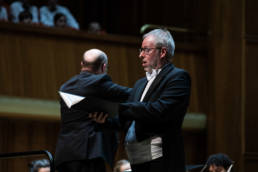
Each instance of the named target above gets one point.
<point>153,74</point>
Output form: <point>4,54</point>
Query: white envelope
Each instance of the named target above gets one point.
<point>70,99</point>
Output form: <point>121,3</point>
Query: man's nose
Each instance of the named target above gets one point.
<point>141,55</point>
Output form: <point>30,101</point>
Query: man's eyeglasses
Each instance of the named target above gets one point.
<point>147,50</point>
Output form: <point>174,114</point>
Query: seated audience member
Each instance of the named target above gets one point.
<point>48,12</point>
<point>3,12</point>
<point>25,17</point>
<point>60,20</point>
<point>40,166</point>
<point>122,166</point>
<point>218,163</point>
<point>23,5</point>
<point>95,27</point>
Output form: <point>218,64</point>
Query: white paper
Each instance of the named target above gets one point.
<point>70,99</point>
<point>229,169</point>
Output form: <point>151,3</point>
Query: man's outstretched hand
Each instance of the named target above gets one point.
<point>98,117</point>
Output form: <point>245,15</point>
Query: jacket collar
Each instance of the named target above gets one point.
<point>166,68</point>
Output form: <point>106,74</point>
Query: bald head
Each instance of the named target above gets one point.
<point>94,61</point>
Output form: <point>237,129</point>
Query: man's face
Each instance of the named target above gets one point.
<point>44,169</point>
<point>150,54</point>
<point>61,22</point>
<point>214,168</point>
<point>125,167</point>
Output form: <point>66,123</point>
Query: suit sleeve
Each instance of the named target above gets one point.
<point>113,91</point>
<point>169,103</point>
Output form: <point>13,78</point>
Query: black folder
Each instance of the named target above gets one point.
<point>94,104</point>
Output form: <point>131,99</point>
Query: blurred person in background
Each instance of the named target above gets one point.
<point>25,17</point>
<point>3,11</point>
<point>60,20</point>
<point>47,14</point>
<point>23,5</point>
<point>95,28</point>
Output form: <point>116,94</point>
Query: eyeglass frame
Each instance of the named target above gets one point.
<point>147,50</point>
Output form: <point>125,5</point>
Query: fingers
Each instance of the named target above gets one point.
<point>101,118</point>
<point>105,117</point>
<point>98,117</point>
<point>93,115</point>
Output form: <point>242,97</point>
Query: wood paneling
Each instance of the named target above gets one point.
<point>24,135</point>
<point>196,63</point>
<point>195,145</point>
<point>251,161</point>
<point>233,90</point>
<point>251,93</point>
<point>34,64</point>
<point>251,23</point>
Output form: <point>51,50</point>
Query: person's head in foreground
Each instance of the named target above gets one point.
<point>122,166</point>
<point>94,61</point>
<point>219,163</point>
<point>41,166</point>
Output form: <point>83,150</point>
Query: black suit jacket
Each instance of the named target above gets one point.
<point>161,113</point>
<point>78,139</point>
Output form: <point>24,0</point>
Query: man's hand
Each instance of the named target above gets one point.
<point>98,117</point>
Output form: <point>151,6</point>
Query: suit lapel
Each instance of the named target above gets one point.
<point>137,95</point>
<point>158,79</point>
<point>139,89</point>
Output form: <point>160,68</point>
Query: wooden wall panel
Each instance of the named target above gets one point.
<point>233,90</point>
<point>35,64</point>
<point>195,145</point>
<point>251,24</point>
<point>196,63</point>
<point>227,81</point>
<point>251,91</point>
<point>251,161</point>
<point>18,135</point>
<point>251,84</point>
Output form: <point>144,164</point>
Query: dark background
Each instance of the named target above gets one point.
<point>127,17</point>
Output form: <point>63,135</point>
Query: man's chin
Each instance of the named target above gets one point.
<point>147,69</point>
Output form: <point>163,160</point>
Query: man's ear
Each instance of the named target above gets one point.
<point>163,52</point>
<point>104,68</point>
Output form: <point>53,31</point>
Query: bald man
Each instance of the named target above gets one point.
<point>80,147</point>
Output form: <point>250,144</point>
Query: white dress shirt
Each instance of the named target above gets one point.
<point>149,149</point>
